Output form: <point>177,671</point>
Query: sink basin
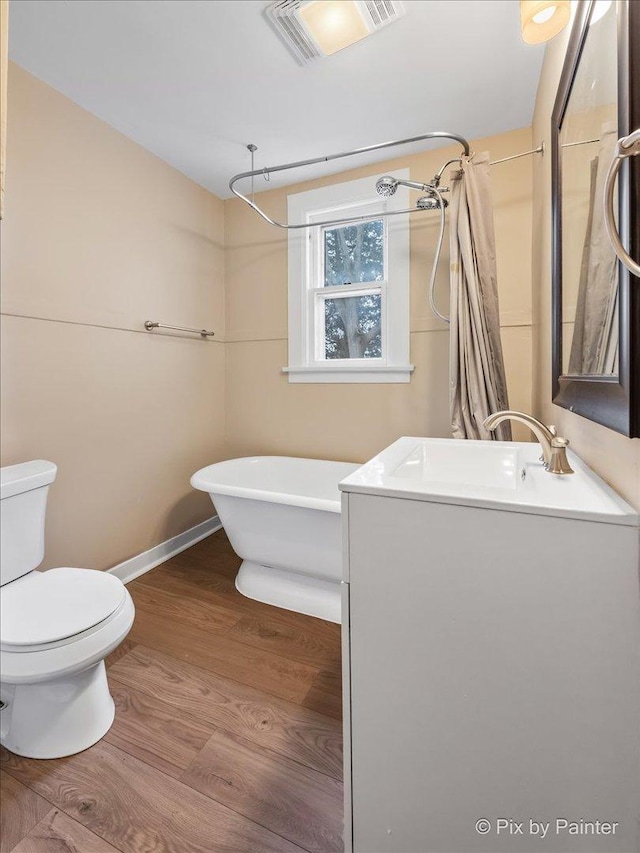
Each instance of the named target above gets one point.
<point>462,463</point>
<point>504,475</point>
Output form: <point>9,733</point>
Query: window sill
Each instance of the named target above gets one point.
<point>340,374</point>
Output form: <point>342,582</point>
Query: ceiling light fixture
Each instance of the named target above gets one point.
<point>543,19</point>
<point>312,29</point>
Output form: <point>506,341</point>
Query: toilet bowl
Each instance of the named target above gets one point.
<point>56,628</point>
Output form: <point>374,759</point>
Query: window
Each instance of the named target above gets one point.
<point>349,286</point>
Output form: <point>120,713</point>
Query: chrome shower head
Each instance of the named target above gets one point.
<point>431,201</point>
<point>386,186</point>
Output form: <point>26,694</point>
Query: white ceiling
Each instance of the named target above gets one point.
<point>194,81</point>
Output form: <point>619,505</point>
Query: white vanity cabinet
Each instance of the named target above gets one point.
<point>491,662</point>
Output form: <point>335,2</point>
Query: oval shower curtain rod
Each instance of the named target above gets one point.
<point>438,134</point>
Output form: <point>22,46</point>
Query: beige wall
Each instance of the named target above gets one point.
<point>266,414</point>
<point>98,236</point>
<point>614,457</point>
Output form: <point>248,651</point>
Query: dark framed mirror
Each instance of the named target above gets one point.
<point>596,301</point>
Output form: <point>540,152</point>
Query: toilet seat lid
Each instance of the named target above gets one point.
<point>44,607</point>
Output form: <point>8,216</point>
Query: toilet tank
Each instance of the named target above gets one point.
<point>23,501</point>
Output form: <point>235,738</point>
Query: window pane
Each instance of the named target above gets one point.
<point>354,253</point>
<point>352,327</point>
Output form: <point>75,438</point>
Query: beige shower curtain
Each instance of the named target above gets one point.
<point>594,346</point>
<point>478,385</point>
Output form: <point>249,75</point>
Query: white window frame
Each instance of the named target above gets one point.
<point>306,320</point>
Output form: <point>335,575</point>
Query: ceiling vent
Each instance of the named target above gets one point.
<point>313,29</point>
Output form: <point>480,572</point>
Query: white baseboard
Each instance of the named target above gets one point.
<point>138,565</point>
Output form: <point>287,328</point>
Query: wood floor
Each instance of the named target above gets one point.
<point>227,734</point>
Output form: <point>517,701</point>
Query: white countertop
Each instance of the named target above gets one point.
<point>490,474</point>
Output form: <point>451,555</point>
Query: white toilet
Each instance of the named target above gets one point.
<point>56,628</point>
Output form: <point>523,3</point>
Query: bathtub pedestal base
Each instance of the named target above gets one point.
<point>290,590</point>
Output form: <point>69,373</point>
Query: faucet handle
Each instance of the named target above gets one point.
<point>558,464</point>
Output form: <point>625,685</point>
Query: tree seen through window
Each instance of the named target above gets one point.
<point>353,254</point>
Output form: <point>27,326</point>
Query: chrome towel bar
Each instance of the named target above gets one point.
<point>628,146</point>
<point>150,325</point>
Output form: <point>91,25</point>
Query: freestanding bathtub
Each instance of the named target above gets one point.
<point>282,517</point>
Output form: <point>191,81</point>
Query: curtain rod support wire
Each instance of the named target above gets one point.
<point>580,142</point>
<point>538,150</point>
<point>252,148</point>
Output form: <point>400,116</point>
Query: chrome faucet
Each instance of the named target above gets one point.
<point>554,448</point>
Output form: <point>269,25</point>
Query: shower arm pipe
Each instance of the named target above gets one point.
<point>269,170</point>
